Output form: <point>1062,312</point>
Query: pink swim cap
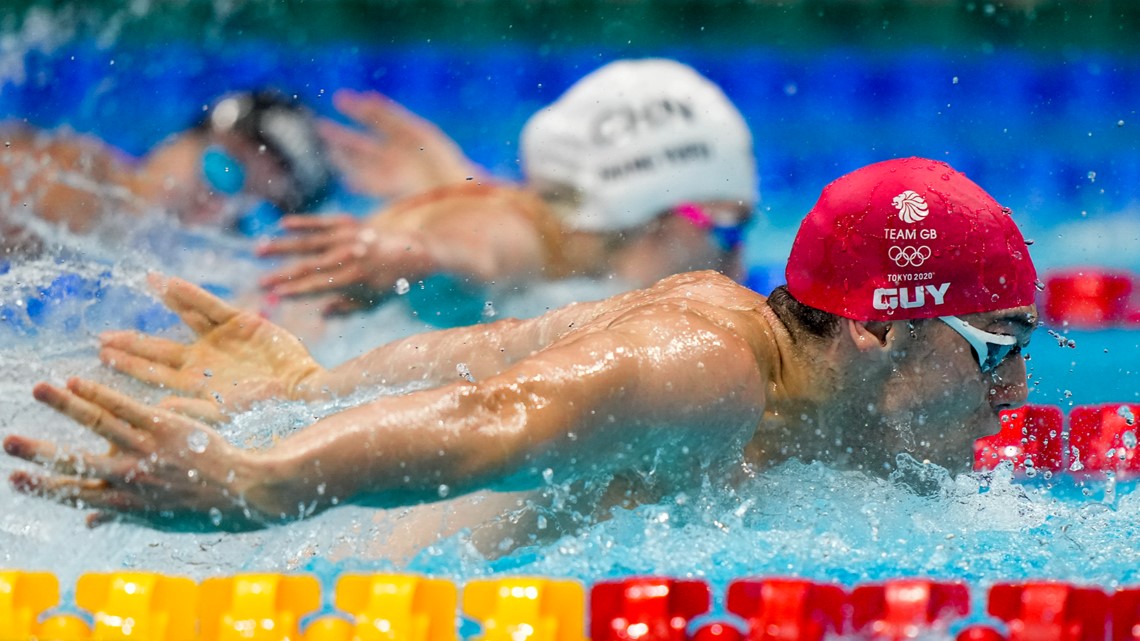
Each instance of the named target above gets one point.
<point>906,239</point>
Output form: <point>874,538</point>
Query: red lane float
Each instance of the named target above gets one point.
<point>1030,438</point>
<point>1050,611</point>
<point>979,633</point>
<point>1089,298</point>
<point>787,609</point>
<point>648,608</point>
<point>1102,439</point>
<point>906,608</point>
<point>1126,615</point>
<point>718,632</point>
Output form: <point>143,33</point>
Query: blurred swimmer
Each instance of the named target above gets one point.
<point>901,333</point>
<point>642,169</point>
<point>251,158</point>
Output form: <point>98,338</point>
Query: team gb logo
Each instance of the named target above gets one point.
<point>912,207</point>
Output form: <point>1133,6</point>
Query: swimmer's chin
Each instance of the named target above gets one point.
<point>990,426</point>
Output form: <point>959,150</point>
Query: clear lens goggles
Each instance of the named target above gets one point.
<point>991,350</point>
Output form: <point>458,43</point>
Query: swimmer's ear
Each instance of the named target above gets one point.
<point>868,335</point>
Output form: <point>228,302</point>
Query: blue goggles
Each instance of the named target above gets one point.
<point>727,238</point>
<point>222,172</point>
<point>226,175</point>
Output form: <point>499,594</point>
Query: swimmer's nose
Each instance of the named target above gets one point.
<point>1009,387</point>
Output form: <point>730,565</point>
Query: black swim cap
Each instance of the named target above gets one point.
<point>288,131</point>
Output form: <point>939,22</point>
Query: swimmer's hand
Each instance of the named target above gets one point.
<point>344,256</point>
<point>401,154</point>
<point>237,359</point>
<point>161,466</point>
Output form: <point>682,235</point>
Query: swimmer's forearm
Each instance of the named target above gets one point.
<point>396,450</point>
<point>431,359</point>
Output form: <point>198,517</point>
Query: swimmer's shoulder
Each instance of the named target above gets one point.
<point>709,286</point>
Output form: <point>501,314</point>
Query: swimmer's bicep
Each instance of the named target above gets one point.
<point>603,402</point>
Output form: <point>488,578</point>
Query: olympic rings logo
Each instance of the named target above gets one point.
<point>908,256</point>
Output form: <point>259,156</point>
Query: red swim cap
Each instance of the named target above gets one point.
<point>906,239</point>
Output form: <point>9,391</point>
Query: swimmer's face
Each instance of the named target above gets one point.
<point>938,400</point>
<point>251,174</point>
<point>675,243</point>
<point>265,176</point>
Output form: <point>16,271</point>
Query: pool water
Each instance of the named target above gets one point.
<point>803,519</point>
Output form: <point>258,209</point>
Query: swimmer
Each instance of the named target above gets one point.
<point>642,169</point>
<point>251,153</point>
<point>909,300</point>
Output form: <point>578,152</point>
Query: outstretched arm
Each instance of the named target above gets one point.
<point>62,180</point>
<point>238,357</point>
<point>485,234</point>
<point>635,395</point>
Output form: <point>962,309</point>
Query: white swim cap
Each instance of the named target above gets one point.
<point>637,138</point>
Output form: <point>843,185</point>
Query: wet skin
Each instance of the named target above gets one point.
<point>691,370</point>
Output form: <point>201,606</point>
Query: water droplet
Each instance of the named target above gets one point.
<point>402,286</point>
<point>791,89</point>
<point>215,516</point>
<point>321,489</point>
<point>488,310</point>
<point>443,490</point>
<point>955,80</point>
<point>192,475</point>
<point>1125,413</point>
<point>548,476</point>
<point>464,372</point>
<point>995,298</point>
<point>1092,176</point>
<point>1039,285</point>
<point>207,373</point>
<point>1119,123</point>
<point>540,523</point>
<point>198,441</point>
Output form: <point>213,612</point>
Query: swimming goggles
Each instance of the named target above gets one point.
<point>222,171</point>
<point>727,238</point>
<point>990,349</point>
<point>225,174</point>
